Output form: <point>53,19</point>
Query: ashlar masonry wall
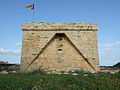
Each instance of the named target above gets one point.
<point>59,46</point>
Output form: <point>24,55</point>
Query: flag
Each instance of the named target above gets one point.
<point>30,6</point>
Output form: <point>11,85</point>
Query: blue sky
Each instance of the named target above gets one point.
<point>106,13</point>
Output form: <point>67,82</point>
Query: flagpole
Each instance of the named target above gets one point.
<point>33,14</point>
<point>33,10</point>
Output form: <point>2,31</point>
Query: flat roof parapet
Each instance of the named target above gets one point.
<point>59,26</point>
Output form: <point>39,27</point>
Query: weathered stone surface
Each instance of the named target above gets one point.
<point>74,74</point>
<point>85,75</point>
<point>59,46</point>
<point>4,72</point>
<point>59,26</point>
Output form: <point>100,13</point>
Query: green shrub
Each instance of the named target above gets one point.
<point>79,72</point>
<point>37,71</point>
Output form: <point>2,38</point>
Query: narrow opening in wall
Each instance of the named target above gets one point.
<point>59,49</point>
<point>60,35</point>
<point>61,45</point>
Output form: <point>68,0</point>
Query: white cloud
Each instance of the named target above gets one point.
<point>19,44</point>
<point>116,43</point>
<point>109,48</point>
<point>109,53</point>
<point>9,51</point>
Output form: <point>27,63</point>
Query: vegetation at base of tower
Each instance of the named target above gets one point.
<point>82,81</point>
<point>37,71</point>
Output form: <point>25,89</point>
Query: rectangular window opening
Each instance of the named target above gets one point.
<point>59,49</point>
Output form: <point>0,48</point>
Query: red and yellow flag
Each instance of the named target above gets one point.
<point>30,6</point>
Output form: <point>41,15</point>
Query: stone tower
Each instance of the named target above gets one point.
<point>59,46</point>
